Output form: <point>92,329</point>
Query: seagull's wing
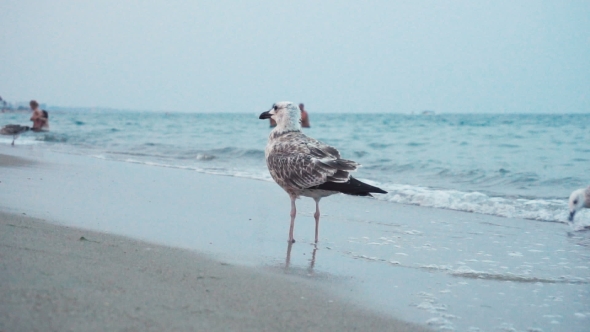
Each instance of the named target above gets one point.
<point>298,161</point>
<point>13,129</point>
<point>10,129</point>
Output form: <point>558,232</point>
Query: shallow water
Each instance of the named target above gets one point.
<point>450,270</point>
<point>515,166</point>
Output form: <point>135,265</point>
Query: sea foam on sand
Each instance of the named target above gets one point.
<point>445,269</point>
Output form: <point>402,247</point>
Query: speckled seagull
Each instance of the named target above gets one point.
<point>579,199</point>
<point>14,130</point>
<point>304,166</point>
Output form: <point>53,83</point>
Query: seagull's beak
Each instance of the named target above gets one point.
<point>265,115</point>
<point>571,217</point>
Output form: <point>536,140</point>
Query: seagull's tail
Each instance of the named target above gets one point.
<point>352,187</point>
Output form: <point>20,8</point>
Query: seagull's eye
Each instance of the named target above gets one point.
<point>275,107</point>
<point>575,201</point>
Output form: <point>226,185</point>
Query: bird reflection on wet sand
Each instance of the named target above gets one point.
<point>311,263</point>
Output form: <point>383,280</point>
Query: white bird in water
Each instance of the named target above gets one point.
<point>14,130</point>
<point>304,166</point>
<point>579,199</point>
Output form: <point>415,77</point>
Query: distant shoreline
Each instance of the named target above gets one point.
<point>15,111</point>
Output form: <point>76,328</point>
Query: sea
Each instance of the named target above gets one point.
<point>508,262</point>
<point>521,166</point>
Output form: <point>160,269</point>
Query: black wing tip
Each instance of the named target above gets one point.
<point>375,190</point>
<point>367,187</point>
<point>352,187</point>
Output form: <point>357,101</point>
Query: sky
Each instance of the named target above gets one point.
<point>335,56</point>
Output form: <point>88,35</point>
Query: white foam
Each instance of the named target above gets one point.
<point>264,176</point>
<point>7,140</point>
<point>476,202</point>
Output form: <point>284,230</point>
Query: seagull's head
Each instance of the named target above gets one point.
<point>286,114</point>
<point>576,202</point>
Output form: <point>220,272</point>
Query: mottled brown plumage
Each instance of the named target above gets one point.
<point>297,162</point>
<point>304,166</point>
<point>14,130</point>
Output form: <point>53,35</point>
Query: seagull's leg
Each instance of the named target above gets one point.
<point>13,138</point>
<point>316,215</point>
<point>293,214</point>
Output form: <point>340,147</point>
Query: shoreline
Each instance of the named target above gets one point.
<point>58,277</point>
<point>439,268</point>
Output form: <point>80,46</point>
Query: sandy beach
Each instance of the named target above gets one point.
<point>376,263</point>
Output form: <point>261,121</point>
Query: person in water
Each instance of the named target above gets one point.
<point>39,117</point>
<point>304,116</point>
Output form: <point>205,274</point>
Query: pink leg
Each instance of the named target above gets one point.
<point>293,214</point>
<point>316,215</point>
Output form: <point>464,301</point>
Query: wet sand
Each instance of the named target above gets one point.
<point>7,160</point>
<point>57,278</point>
<point>442,269</point>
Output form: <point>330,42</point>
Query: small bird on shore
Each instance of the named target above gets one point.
<point>579,199</point>
<point>304,166</point>
<point>14,130</point>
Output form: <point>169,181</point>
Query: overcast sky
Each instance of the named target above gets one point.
<point>336,56</point>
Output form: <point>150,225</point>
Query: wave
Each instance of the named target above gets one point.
<point>7,140</point>
<point>432,169</point>
<point>237,152</point>
<point>160,152</point>
<point>262,175</point>
<point>553,210</point>
<point>51,137</point>
<point>469,273</point>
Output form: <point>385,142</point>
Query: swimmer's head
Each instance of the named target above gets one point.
<point>34,104</point>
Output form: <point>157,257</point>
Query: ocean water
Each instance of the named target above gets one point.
<point>509,165</point>
<point>450,271</point>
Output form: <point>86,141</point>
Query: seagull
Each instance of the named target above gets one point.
<point>14,130</point>
<point>304,166</point>
<point>579,199</point>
